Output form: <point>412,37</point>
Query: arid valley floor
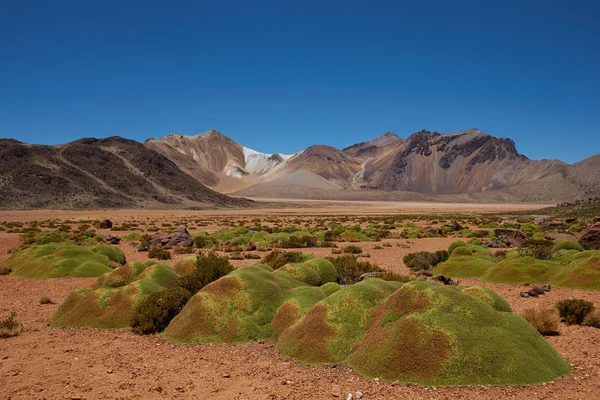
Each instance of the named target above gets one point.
<point>46,363</point>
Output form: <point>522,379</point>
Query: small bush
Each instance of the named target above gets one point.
<point>277,259</point>
<point>392,276</point>
<point>574,311</point>
<point>159,253</point>
<point>183,250</point>
<point>544,320</point>
<point>353,249</point>
<point>9,327</point>
<point>424,260</point>
<point>5,270</point>
<point>206,269</point>
<point>593,319</point>
<point>46,300</point>
<point>349,268</point>
<point>156,311</point>
<point>236,255</point>
<point>540,249</point>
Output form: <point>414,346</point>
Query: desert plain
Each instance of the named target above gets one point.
<point>43,362</point>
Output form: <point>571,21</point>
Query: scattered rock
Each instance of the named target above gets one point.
<point>589,238</point>
<point>494,244</point>
<point>455,226</point>
<point>105,224</point>
<point>369,275</point>
<point>511,237</point>
<point>358,395</point>
<point>555,236</point>
<point>432,230</point>
<point>180,237</point>
<point>536,290</point>
<point>112,239</point>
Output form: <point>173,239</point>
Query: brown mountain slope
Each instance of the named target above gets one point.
<point>374,147</point>
<point>90,173</point>
<point>324,161</point>
<point>464,162</point>
<point>570,182</point>
<point>215,160</point>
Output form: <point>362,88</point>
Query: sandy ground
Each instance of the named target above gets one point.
<point>44,363</point>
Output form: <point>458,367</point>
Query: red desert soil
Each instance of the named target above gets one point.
<point>44,363</point>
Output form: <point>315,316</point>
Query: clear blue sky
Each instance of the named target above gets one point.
<point>278,76</point>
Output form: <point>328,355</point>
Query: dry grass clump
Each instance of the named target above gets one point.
<point>5,270</point>
<point>46,300</point>
<point>9,327</point>
<point>159,253</point>
<point>593,319</point>
<point>544,320</point>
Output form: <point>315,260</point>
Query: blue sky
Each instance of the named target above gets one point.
<point>278,76</point>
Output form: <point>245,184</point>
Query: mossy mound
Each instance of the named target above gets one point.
<point>252,302</point>
<point>110,302</point>
<point>185,266</point>
<point>566,244</point>
<point>55,260</point>
<point>580,273</point>
<point>521,270</point>
<point>488,296</point>
<point>327,333</point>
<point>465,262</point>
<point>315,271</point>
<point>456,244</point>
<point>439,335</point>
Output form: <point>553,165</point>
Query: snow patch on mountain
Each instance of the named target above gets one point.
<point>261,163</point>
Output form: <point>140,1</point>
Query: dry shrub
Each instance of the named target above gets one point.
<point>336,251</point>
<point>5,270</point>
<point>9,327</point>
<point>236,256</point>
<point>159,253</point>
<point>593,319</point>
<point>277,259</point>
<point>574,311</point>
<point>544,320</point>
<point>353,249</point>
<point>46,300</point>
<point>350,269</point>
<point>392,276</point>
<point>182,250</point>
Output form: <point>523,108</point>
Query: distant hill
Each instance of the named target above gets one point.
<point>93,173</point>
<point>192,171</point>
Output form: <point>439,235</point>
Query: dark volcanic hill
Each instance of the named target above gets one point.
<point>91,173</point>
<point>464,162</point>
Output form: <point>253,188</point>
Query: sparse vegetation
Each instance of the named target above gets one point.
<point>46,300</point>
<point>9,327</point>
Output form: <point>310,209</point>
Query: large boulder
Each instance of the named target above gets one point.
<point>511,237</point>
<point>455,226</point>
<point>560,236</point>
<point>105,224</point>
<point>180,237</point>
<point>590,237</point>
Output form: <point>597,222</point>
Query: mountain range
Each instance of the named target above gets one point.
<point>198,171</point>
